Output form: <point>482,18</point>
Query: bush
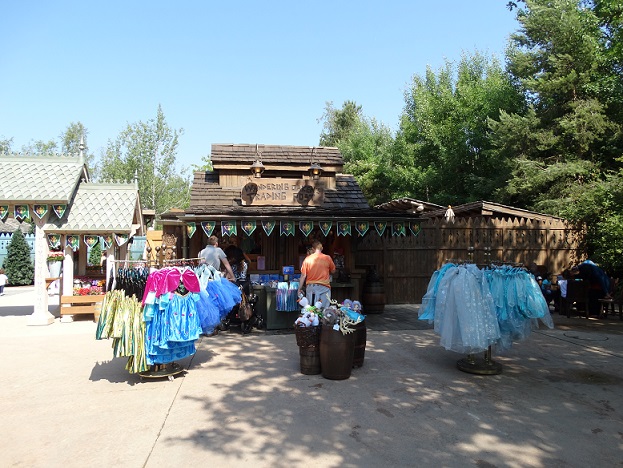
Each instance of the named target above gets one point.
<point>17,264</point>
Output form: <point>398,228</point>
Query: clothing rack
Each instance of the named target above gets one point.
<point>182,261</point>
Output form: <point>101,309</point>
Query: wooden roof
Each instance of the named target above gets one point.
<point>496,210</point>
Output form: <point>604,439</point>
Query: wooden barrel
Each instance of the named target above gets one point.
<point>360,336</point>
<point>373,299</point>
<point>336,353</point>
<point>310,360</point>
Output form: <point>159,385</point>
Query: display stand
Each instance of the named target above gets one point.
<point>485,366</point>
<point>158,371</point>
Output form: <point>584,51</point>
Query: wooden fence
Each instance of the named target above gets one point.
<point>406,263</point>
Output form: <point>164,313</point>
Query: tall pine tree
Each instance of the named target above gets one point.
<point>17,264</point>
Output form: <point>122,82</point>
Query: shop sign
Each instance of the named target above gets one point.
<point>282,192</point>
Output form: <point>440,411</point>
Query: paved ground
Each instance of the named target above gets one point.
<point>243,401</point>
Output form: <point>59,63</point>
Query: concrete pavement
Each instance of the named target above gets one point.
<point>65,401</point>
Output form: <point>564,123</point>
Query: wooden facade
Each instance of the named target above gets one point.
<point>406,263</point>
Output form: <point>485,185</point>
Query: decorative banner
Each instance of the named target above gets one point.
<point>40,210</point>
<point>248,227</point>
<point>121,239</point>
<point>414,226</point>
<point>228,228</point>
<point>268,227</point>
<point>54,241</point>
<point>73,242</point>
<point>4,211</point>
<point>21,212</point>
<point>306,227</point>
<point>190,229</point>
<point>398,229</point>
<point>287,228</point>
<point>91,241</point>
<point>59,210</point>
<point>380,227</point>
<point>362,227</point>
<point>325,227</point>
<point>343,228</point>
<point>107,240</point>
<point>208,227</point>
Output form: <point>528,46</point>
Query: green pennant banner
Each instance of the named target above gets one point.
<point>306,227</point>
<point>286,228</point>
<point>325,227</point>
<point>362,227</point>
<point>107,240</point>
<point>73,242</point>
<point>54,241</point>
<point>91,241</point>
<point>21,212</point>
<point>248,227</point>
<point>268,227</point>
<point>380,227</point>
<point>121,239</point>
<point>343,228</point>
<point>40,210</point>
<point>398,229</point>
<point>414,226</point>
<point>228,228</point>
<point>59,210</point>
<point>191,228</point>
<point>4,211</point>
<point>208,227</point>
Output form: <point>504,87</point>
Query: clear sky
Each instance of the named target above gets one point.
<point>224,71</point>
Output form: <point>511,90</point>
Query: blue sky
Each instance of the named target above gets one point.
<point>225,72</point>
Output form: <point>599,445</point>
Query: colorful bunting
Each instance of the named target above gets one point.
<point>54,241</point>
<point>228,228</point>
<point>306,227</point>
<point>325,227</point>
<point>4,211</point>
<point>343,228</point>
<point>380,227</point>
<point>287,228</point>
<point>59,210</point>
<point>248,227</point>
<point>21,212</point>
<point>107,240</point>
<point>398,229</point>
<point>121,239</point>
<point>362,227</point>
<point>90,240</point>
<point>414,226</point>
<point>268,227</point>
<point>40,210</point>
<point>191,228</point>
<point>73,242</point>
<point>208,227</point>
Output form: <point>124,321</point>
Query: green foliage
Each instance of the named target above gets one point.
<point>444,134</point>
<point>5,145</point>
<point>148,149</point>
<point>95,255</point>
<point>339,123</point>
<point>17,263</point>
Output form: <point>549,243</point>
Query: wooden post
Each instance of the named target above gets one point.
<point>41,315</point>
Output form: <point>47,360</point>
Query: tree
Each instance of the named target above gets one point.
<point>567,56</point>
<point>95,255</point>
<point>5,145</point>
<point>17,263</point>
<point>444,138</point>
<point>148,149</point>
<point>70,139</point>
<point>339,123</point>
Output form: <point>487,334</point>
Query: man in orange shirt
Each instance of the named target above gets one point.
<point>316,272</point>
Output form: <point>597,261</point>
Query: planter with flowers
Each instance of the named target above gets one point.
<point>55,263</point>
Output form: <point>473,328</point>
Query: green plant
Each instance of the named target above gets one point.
<point>17,264</point>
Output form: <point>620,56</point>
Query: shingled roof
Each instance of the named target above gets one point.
<point>224,154</point>
<point>39,179</point>
<point>100,208</point>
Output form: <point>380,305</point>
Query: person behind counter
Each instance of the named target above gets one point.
<point>213,255</point>
<point>316,274</point>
